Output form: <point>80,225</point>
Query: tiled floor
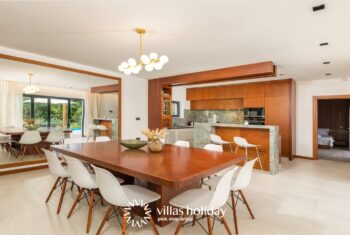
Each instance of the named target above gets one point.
<point>306,197</point>
<point>335,154</point>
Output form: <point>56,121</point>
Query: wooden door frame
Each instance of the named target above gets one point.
<point>315,119</point>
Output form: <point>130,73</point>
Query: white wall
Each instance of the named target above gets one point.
<point>179,94</point>
<point>304,98</point>
<point>109,102</point>
<point>134,92</point>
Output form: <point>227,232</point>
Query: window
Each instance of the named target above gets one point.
<point>54,111</point>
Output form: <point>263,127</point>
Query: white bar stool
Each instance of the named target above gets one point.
<point>218,140</point>
<point>182,143</point>
<point>243,143</point>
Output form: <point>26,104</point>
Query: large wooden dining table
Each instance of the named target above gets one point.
<point>168,173</point>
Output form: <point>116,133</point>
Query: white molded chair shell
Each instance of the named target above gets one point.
<point>55,165</point>
<point>244,176</point>
<point>80,174</point>
<point>204,199</point>
<point>182,143</point>
<point>102,139</point>
<point>240,141</point>
<point>217,139</point>
<point>55,136</point>
<point>213,147</point>
<point>110,188</point>
<point>101,128</point>
<point>30,137</point>
<point>222,190</point>
<point>122,195</point>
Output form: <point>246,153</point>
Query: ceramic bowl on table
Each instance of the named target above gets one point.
<point>133,144</point>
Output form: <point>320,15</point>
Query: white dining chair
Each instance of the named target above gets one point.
<point>216,139</point>
<point>205,201</point>
<point>213,147</point>
<point>243,143</point>
<point>55,137</point>
<point>29,138</point>
<point>238,184</point>
<point>6,143</point>
<point>87,184</point>
<point>122,196</point>
<point>102,139</point>
<point>92,132</point>
<point>59,171</point>
<point>182,143</point>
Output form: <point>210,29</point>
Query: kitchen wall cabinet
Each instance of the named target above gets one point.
<point>227,104</point>
<point>277,97</point>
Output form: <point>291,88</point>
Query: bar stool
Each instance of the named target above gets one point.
<point>218,140</point>
<point>182,143</point>
<point>243,143</point>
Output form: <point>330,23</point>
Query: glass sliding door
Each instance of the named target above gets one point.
<point>59,113</point>
<point>76,114</point>
<point>41,111</point>
<point>54,112</point>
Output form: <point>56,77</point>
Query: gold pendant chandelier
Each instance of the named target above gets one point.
<point>150,62</point>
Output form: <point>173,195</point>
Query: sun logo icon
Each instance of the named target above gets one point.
<point>135,220</point>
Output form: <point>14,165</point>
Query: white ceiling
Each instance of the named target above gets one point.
<point>18,71</point>
<point>196,35</point>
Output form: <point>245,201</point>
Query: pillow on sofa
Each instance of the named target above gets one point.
<point>323,131</point>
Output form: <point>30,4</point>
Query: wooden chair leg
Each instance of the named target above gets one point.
<point>62,194</point>
<point>234,212</point>
<point>246,204</point>
<point>124,222</point>
<point>53,189</point>
<point>91,205</point>
<point>36,147</point>
<point>210,228</point>
<point>194,220</point>
<point>24,151</point>
<point>223,221</point>
<point>182,221</point>
<point>75,202</point>
<point>153,225</point>
<point>105,218</point>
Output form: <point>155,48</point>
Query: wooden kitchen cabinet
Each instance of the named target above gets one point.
<point>277,113</point>
<point>254,90</point>
<point>258,102</point>
<point>233,104</point>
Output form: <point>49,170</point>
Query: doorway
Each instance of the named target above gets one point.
<point>331,120</point>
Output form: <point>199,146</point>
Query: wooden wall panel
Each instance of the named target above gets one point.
<point>254,136</point>
<point>277,113</point>
<point>254,90</point>
<point>154,104</point>
<point>232,104</point>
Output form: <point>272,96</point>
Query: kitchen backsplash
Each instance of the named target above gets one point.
<point>229,117</point>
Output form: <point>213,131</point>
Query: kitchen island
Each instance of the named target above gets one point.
<point>266,136</point>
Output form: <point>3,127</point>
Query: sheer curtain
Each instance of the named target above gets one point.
<point>92,109</point>
<point>11,103</point>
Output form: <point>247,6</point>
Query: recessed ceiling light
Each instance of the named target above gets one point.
<point>326,62</point>
<point>319,7</point>
<point>328,74</point>
<point>324,44</point>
